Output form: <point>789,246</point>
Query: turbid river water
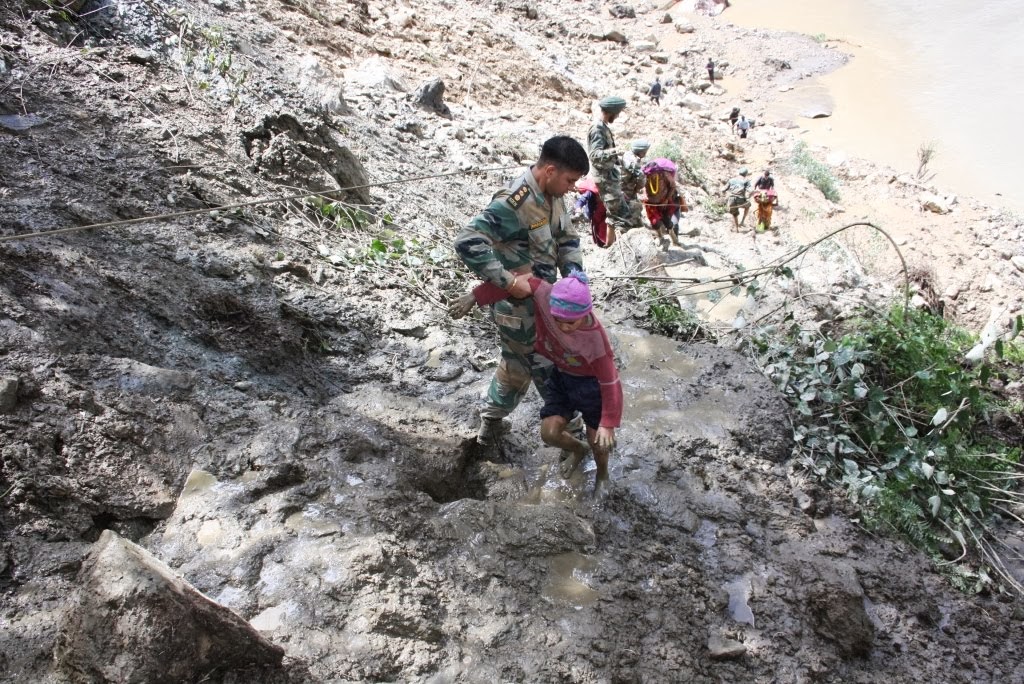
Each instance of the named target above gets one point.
<point>942,72</point>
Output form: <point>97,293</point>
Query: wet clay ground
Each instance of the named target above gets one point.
<point>284,414</point>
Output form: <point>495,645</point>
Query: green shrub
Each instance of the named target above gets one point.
<point>819,175</point>
<point>890,414</point>
<point>666,317</point>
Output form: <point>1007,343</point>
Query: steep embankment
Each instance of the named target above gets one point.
<point>272,401</point>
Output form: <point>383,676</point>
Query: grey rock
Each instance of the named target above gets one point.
<point>18,123</point>
<point>131,610</point>
<point>1018,262</point>
<point>430,96</point>
<point>140,378</point>
<point>615,36</point>
<point>722,648</point>
<point>141,56</point>
<point>835,602</point>
<point>8,394</point>
<point>622,12</point>
<point>816,112</point>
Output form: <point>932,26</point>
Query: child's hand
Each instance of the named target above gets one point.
<point>605,437</point>
<point>520,287</point>
<point>461,306</point>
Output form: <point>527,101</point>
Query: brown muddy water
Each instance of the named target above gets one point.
<point>937,72</point>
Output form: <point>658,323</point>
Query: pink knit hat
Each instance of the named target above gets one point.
<point>570,297</point>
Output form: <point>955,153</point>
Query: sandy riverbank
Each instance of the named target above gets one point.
<point>888,101</point>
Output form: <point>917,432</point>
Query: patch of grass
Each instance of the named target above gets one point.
<point>671,148</point>
<point>819,174</point>
<point>713,207</point>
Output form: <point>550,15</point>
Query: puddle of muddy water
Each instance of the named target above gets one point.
<point>656,373</point>
<point>739,595</point>
<point>569,578</point>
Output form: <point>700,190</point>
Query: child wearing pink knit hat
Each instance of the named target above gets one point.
<point>584,378</point>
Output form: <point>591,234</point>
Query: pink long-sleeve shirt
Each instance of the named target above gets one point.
<point>585,352</point>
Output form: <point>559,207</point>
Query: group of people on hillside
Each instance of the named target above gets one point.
<point>623,182</point>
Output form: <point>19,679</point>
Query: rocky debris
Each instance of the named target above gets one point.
<point>132,605</point>
<point>430,96</point>
<point>835,602</point>
<point>1018,262</point>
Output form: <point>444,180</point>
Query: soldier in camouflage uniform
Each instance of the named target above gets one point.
<point>526,229</point>
<point>607,166</point>
<point>633,179</point>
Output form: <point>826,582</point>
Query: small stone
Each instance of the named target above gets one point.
<point>722,648</point>
<point>1018,262</point>
<point>141,56</point>
<point>8,394</point>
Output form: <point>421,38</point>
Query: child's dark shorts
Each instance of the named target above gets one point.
<point>567,394</point>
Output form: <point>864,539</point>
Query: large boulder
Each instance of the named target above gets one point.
<point>305,152</point>
<point>134,620</point>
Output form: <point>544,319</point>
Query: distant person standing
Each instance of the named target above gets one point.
<point>606,166</point>
<point>734,116</point>
<point>765,182</point>
<point>633,178</point>
<point>743,126</point>
<point>655,91</point>
<point>710,66</point>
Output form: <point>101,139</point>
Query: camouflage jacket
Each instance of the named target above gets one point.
<point>604,158</point>
<point>519,231</point>
<point>633,178</point>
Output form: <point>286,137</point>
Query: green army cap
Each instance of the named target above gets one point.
<point>744,171</point>
<point>612,103</point>
<point>640,146</point>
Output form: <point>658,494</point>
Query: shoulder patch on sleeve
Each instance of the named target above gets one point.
<point>518,196</point>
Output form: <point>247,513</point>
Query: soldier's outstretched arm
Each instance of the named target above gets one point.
<point>475,243</point>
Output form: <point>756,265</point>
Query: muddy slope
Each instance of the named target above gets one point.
<point>284,414</point>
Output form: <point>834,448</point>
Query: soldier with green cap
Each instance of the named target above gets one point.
<point>737,189</point>
<point>633,178</point>
<point>606,165</point>
<point>525,231</point>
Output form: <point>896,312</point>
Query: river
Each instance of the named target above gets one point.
<point>938,73</point>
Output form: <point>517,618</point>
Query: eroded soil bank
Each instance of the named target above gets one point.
<point>282,412</point>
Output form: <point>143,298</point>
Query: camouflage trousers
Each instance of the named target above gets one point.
<point>520,364</point>
<point>615,203</point>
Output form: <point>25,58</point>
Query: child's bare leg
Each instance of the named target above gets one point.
<point>553,432</point>
<point>602,481</point>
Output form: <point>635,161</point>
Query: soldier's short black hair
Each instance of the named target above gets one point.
<point>565,153</point>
